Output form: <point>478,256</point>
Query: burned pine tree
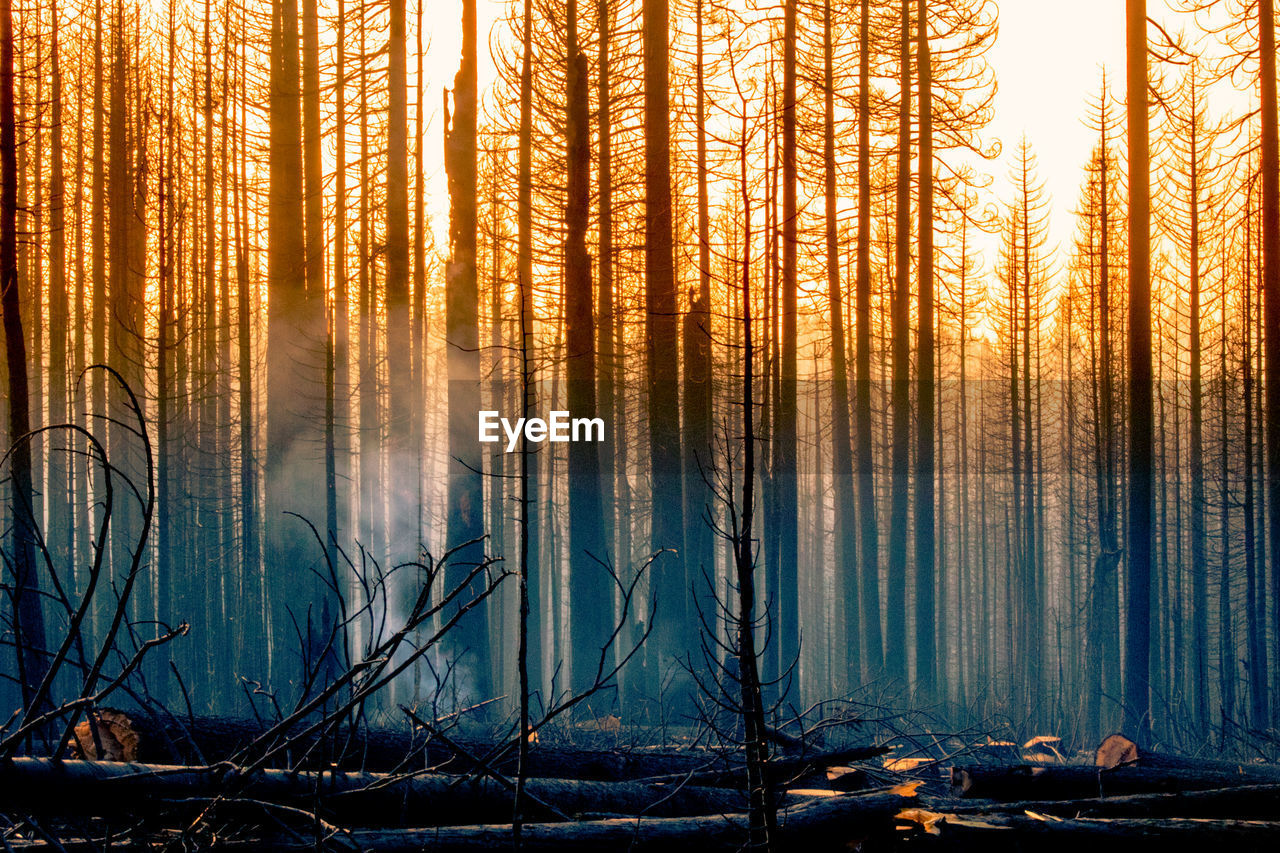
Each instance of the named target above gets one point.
<point>465,483</point>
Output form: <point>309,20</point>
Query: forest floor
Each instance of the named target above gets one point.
<point>596,786</point>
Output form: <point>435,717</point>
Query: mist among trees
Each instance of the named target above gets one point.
<point>875,445</point>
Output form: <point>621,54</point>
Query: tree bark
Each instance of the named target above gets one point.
<point>697,397</point>
<point>786,627</point>
<point>591,588</point>
<point>896,603</point>
<point>530,479</point>
<point>1248,802</point>
<point>60,533</point>
<point>28,617</point>
<point>662,339</point>
<point>1137,626</point>
<point>762,817</point>
<point>604,261</point>
<point>823,823</point>
<point>294,371</point>
<point>363,799</point>
<point>403,401</point>
<point>869,563</point>
<point>1010,832</point>
<point>1269,166</point>
<point>841,449</point>
<point>462,337</point>
<point>926,664</point>
<point>1072,782</point>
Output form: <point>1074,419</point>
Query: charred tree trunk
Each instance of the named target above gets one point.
<point>762,815</point>
<point>869,562</point>
<point>530,483</point>
<point>462,336</point>
<point>604,262</point>
<point>896,645</point>
<point>926,664</point>
<point>403,401</point>
<point>842,449</point>
<point>589,631</point>
<point>60,533</point>
<point>787,596</point>
<point>294,330</point>
<point>1270,169</point>
<point>1138,542</point>
<point>28,618</point>
<point>661,333</point>
<point>698,554</point>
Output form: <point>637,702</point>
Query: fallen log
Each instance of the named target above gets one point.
<point>169,739</point>
<point>45,786</point>
<point>827,823</point>
<point>998,832</point>
<point>1076,782</point>
<point>1246,802</point>
<point>732,773</point>
<point>1119,751</point>
<point>208,740</point>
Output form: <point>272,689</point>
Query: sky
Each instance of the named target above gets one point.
<point>1048,61</point>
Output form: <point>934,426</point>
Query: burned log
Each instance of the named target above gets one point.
<point>169,739</point>
<point>729,772</point>
<point>1246,802</point>
<point>1034,831</point>
<point>1119,751</point>
<point>46,786</point>
<point>828,823</point>
<point>209,740</point>
<point>1077,782</point>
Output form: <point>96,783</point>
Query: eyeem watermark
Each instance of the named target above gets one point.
<point>559,427</point>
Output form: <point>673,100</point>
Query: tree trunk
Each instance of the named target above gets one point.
<point>294,372</point>
<point>698,552</point>
<point>926,665</point>
<point>1068,782</point>
<point>465,483</point>
<point>662,338</point>
<point>1227,667</point>
<point>313,210</point>
<point>418,334</point>
<point>1137,627</point>
<point>896,641</point>
<point>59,536</point>
<point>591,620</point>
<point>252,588</point>
<point>28,617</point>
<point>361,799</point>
<point>761,810</point>
<point>530,482</point>
<point>402,530</point>
<point>1255,571</point>
<point>604,262</point>
<point>1269,166</point>
<point>787,597</point>
<point>869,531</point>
<point>1199,567</point>
<point>821,824</point>
<point>841,447</point>
<point>123,332</point>
<point>1249,802</point>
<point>1010,832</point>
